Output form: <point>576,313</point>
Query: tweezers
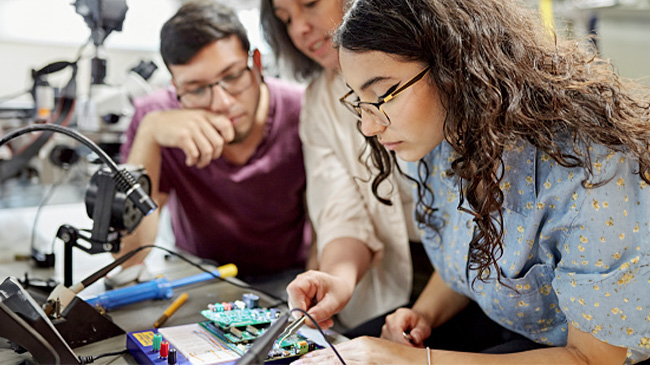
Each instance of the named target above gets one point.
<point>290,330</point>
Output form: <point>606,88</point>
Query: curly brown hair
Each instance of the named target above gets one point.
<point>501,76</point>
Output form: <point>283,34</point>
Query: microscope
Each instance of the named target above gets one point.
<point>107,109</point>
<point>103,113</point>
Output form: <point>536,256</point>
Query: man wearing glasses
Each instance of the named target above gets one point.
<point>222,150</point>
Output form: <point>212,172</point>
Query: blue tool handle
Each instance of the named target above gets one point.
<point>193,279</point>
<point>155,289</point>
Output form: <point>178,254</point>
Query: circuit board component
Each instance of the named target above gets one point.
<point>241,322</point>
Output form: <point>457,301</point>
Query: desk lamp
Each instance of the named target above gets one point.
<point>117,202</point>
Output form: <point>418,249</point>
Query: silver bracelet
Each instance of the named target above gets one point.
<point>428,356</point>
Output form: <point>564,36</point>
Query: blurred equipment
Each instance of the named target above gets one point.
<point>44,94</point>
<point>107,108</point>
<point>65,107</point>
<point>116,201</point>
<point>103,113</point>
<point>103,17</point>
<point>63,156</point>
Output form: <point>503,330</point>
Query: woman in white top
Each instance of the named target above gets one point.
<point>363,244</point>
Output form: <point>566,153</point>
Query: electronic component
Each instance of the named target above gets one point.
<point>164,349</point>
<point>231,330</point>
<point>251,300</point>
<point>235,332</point>
<point>240,325</point>
<point>145,347</point>
<point>290,330</point>
<point>172,358</point>
<point>226,317</point>
<point>157,342</point>
<point>252,330</point>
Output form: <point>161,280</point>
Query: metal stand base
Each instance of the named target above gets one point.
<point>80,324</point>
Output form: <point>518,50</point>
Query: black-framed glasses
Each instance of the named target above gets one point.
<point>234,84</point>
<point>375,110</point>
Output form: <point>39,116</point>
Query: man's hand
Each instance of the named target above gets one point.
<point>322,295</point>
<point>405,320</point>
<point>199,133</point>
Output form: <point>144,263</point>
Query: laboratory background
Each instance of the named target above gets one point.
<point>40,40</point>
<point>36,33</point>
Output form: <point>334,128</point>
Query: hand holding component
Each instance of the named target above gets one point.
<point>321,294</point>
<point>405,326</point>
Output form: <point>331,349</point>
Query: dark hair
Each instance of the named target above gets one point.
<point>275,33</point>
<point>195,25</point>
<point>501,76</point>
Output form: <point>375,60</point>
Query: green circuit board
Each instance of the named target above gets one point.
<point>241,317</point>
<point>240,323</point>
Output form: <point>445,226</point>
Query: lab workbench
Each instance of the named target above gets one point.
<point>133,317</point>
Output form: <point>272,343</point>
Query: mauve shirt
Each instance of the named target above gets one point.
<point>251,215</point>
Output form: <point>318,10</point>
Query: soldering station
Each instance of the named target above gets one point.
<point>116,200</point>
<point>50,319</point>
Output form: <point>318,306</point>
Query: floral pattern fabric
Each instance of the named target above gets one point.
<point>576,252</point>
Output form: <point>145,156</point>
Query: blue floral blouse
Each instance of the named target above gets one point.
<point>574,254</point>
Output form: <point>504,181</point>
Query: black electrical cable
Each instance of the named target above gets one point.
<point>68,132</point>
<point>90,358</point>
<point>321,332</point>
<point>124,181</point>
<point>279,301</point>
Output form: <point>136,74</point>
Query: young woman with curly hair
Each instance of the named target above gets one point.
<point>531,158</point>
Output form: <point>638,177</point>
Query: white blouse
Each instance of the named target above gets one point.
<point>341,202</point>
